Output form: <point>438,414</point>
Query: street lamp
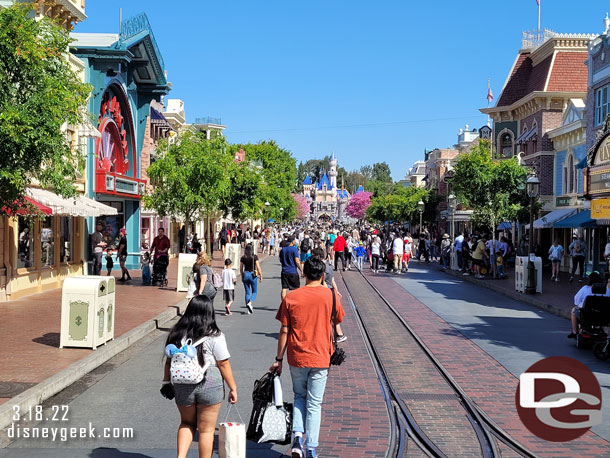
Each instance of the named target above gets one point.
<point>533,189</point>
<point>452,204</point>
<point>266,213</point>
<point>281,214</point>
<point>420,207</point>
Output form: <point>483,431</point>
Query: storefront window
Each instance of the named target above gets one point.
<point>112,224</point>
<point>47,234</point>
<point>145,234</point>
<point>67,239</point>
<point>25,250</point>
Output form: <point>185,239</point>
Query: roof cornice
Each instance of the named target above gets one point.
<point>532,96</point>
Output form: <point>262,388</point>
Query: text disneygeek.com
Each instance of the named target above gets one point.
<point>58,433</point>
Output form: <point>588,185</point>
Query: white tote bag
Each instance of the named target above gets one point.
<point>232,438</point>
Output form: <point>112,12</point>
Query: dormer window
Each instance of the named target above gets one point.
<point>601,105</point>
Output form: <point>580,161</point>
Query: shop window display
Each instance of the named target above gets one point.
<point>25,251</point>
<point>67,239</point>
<point>47,242</point>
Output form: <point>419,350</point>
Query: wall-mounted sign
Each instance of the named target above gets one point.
<point>563,201</point>
<point>600,208</point>
<point>599,181</point>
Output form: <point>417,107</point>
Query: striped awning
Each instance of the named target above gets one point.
<point>78,206</point>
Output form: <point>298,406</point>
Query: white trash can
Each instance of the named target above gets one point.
<point>233,252</point>
<point>185,267</point>
<point>88,309</point>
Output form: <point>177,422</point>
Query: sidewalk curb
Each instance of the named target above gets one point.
<point>531,300</point>
<point>54,384</point>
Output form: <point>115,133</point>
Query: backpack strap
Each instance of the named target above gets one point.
<point>199,342</point>
<point>334,317</point>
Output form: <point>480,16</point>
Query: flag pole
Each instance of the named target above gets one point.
<point>539,19</point>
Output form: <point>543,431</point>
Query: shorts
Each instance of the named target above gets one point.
<point>477,262</point>
<point>123,258</point>
<point>208,392</point>
<point>223,242</point>
<point>290,281</point>
<point>576,312</point>
<point>229,295</point>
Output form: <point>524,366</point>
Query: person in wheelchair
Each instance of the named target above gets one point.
<point>579,300</point>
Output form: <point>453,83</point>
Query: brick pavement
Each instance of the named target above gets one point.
<point>355,420</point>
<point>30,329</point>
<point>483,378</point>
<point>430,399</point>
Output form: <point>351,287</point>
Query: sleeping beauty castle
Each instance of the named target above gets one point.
<point>326,201</point>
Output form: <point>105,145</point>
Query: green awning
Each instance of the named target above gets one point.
<point>582,219</point>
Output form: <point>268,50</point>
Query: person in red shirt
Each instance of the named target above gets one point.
<point>305,335</point>
<point>160,245</point>
<point>339,248</point>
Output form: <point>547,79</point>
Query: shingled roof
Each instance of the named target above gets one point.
<point>567,72</point>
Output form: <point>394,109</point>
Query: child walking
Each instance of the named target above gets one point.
<point>360,252</point>
<point>145,265</point>
<point>228,283</point>
<point>109,262</point>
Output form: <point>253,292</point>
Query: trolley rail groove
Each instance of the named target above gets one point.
<point>404,424</point>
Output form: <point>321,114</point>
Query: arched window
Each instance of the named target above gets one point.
<point>571,174</point>
<point>506,144</point>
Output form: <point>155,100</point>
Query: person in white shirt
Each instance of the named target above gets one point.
<point>375,254</point>
<point>579,300</point>
<point>228,284</point>
<point>458,249</point>
<point>398,246</point>
<point>555,256</point>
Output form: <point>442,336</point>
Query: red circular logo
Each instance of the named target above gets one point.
<point>559,399</point>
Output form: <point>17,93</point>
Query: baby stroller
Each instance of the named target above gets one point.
<point>159,276</point>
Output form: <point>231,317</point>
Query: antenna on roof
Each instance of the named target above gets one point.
<point>120,18</point>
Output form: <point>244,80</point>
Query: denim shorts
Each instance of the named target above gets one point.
<point>208,392</point>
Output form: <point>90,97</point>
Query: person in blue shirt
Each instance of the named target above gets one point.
<point>360,252</point>
<point>291,266</point>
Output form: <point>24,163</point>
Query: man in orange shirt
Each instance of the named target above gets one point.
<point>305,334</point>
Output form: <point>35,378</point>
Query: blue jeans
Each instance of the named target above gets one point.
<point>308,384</point>
<point>251,286</point>
<point>359,260</point>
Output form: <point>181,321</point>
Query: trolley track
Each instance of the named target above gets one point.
<point>443,431</point>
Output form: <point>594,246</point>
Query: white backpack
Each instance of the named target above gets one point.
<point>185,367</point>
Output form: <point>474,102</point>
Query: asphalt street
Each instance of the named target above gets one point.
<point>124,393</point>
<point>516,334</point>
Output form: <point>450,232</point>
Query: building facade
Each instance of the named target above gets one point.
<point>327,202</point>
<point>127,73</point>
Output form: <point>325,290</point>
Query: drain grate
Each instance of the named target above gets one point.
<point>12,389</point>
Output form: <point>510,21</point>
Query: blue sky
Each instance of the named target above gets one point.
<point>371,81</point>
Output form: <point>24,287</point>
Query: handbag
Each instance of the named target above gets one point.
<point>338,355</point>
<point>232,437</point>
<point>271,419</point>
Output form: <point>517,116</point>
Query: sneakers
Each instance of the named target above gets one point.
<point>228,311</point>
<point>249,307</point>
<point>341,338</point>
<point>571,279</point>
<point>297,448</point>
<point>571,336</point>
<point>553,278</point>
<point>556,279</point>
<point>466,274</point>
<point>311,453</point>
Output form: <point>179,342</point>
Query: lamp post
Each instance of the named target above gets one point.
<point>452,204</point>
<point>266,213</point>
<point>281,215</point>
<point>420,208</point>
<point>533,189</point>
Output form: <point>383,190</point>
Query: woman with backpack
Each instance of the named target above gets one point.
<point>204,276</point>
<point>199,402</point>
<point>251,272</point>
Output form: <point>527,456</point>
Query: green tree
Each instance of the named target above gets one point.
<point>399,206</point>
<point>279,171</point>
<point>39,93</point>
<point>381,172</point>
<point>191,178</point>
<point>494,189</point>
<point>245,199</point>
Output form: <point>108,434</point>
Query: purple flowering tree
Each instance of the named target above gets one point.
<point>302,207</point>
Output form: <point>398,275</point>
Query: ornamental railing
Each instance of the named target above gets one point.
<point>208,120</point>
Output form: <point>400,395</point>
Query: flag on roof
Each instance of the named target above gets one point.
<point>490,95</point>
<point>538,2</point>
